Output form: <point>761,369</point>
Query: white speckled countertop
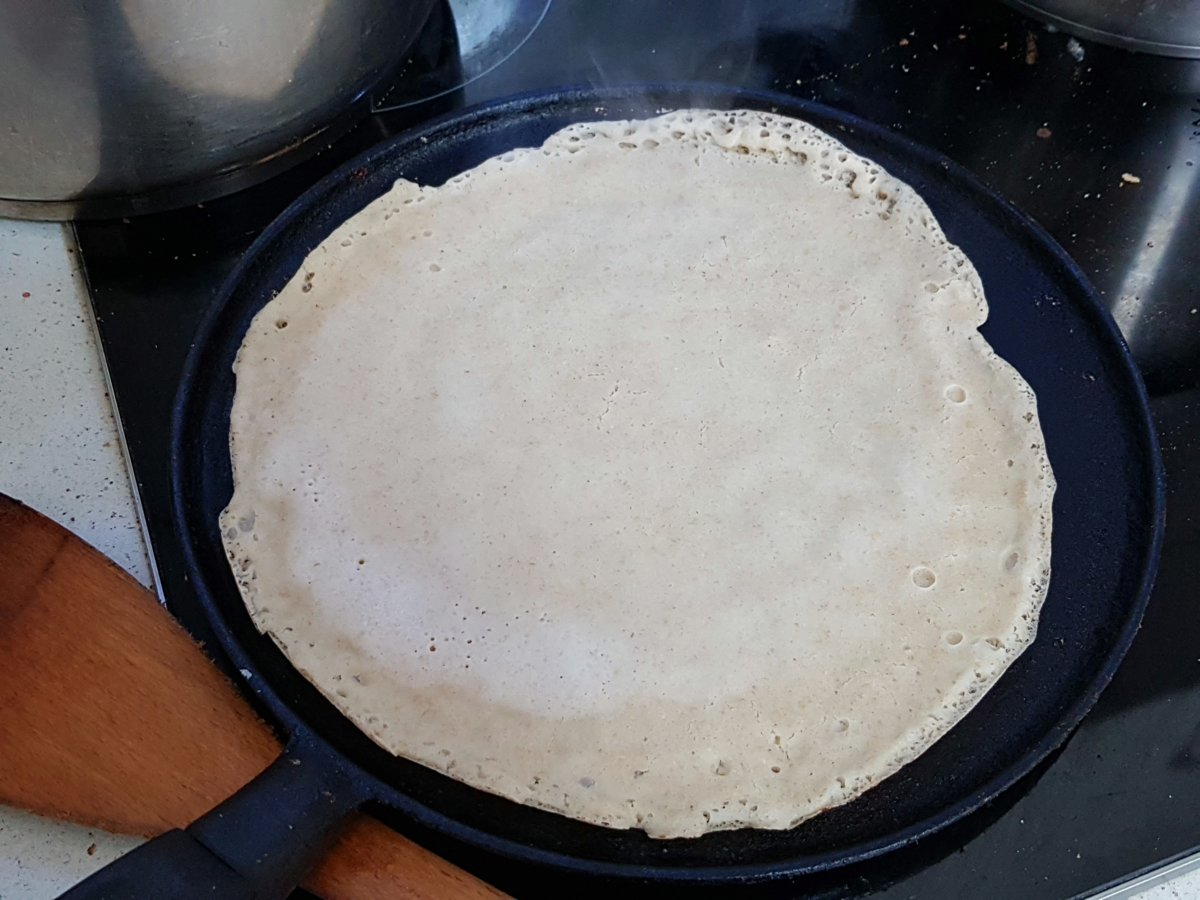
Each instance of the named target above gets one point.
<point>60,453</point>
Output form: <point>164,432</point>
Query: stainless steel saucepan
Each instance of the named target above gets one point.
<point>116,106</point>
<point>1165,27</point>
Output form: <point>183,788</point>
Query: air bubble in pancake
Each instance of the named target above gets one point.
<point>923,577</point>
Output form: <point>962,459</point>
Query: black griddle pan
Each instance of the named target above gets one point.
<point>1045,319</point>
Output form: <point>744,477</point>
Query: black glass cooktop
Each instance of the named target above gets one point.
<point>1101,146</point>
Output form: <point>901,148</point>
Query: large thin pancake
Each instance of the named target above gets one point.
<point>658,476</point>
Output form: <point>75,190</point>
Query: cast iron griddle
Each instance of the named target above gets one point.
<point>1044,319</point>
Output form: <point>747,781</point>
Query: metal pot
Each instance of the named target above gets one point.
<point>115,106</point>
<point>1165,27</point>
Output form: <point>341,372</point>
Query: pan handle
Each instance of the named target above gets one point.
<point>257,844</point>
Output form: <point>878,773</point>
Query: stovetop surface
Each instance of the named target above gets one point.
<point>1053,125</point>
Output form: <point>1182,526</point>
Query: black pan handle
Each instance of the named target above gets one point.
<point>257,844</point>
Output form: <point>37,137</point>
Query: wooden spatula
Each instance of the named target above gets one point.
<point>110,715</point>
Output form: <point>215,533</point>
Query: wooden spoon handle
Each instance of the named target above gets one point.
<point>111,716</point>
